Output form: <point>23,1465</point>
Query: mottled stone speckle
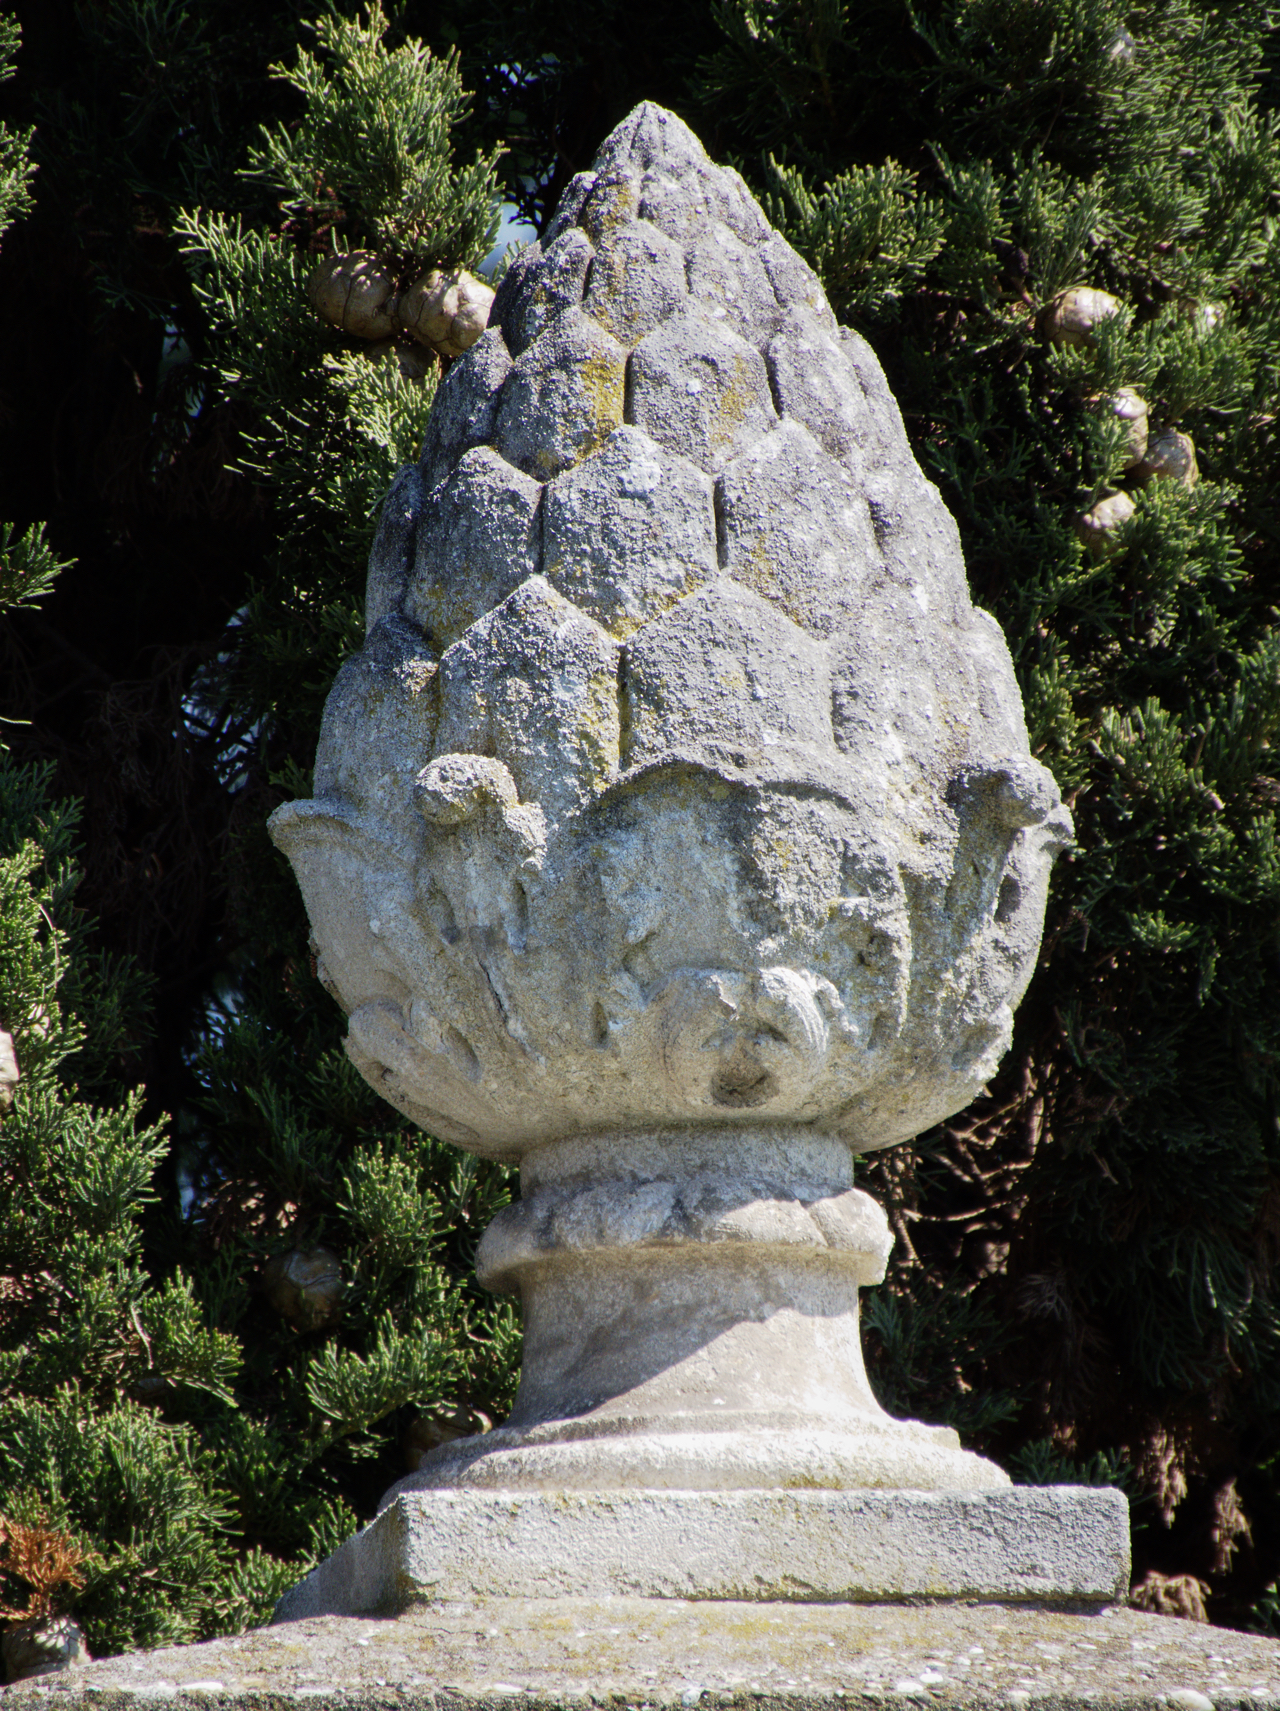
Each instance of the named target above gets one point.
<point>629,531</point>
<point>694,597</point>
<point>676,832</point>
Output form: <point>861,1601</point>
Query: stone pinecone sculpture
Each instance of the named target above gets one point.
<point>679,781</point>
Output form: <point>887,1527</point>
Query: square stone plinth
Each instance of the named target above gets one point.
<point>1047,1544</point>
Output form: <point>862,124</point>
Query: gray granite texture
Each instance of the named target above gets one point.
<point>754,768</point>
<point>1055,1544</point>
<point>630,1654</point>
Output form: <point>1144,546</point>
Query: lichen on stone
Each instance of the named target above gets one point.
<point>668,564</point>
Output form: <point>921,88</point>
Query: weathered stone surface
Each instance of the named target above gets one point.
<point>477,539</point>
<point>884,439</point>
<point>699,389</point>
<point>725,671</point>
<point>638,279</point>
<point>650,136</point>
<point>795,528</point>
<point>391,557</point>
<point>946,701</point>
<point>751,1546</point>
<point>535,683</point>
<point>554,285</point>
<point>629,531</point>
<point>474,1655</point>
<point>379,728</point>
<point>727,860</point>
<point>916,533</point>
<point>569,208</point>
<point>797,286</point>
<point>680,190</point>
<point>512,285</point>
<point>611,204</point>
<point>464,410</point>
<point>563,398</point>
<point>681,204</point>
<point>709,1206</point>
<point>719,1390</point>
<point>815,384</point>
<point>729,279</point>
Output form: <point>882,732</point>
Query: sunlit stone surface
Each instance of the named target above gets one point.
<point>676,834</point>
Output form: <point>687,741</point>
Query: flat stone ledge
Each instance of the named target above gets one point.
<point>1059,1543</point>
<point>635,1654</point>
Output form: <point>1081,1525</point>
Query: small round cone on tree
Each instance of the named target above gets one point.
<point>1170,456</point>
<point>1097,527</point>
<point>1073,316</point>
<point>1123,49</point>
<point>1129,407</point>
<point>1204,317</point>
<point>354,292</point>
<point>304,1287</point>
<point>447,311</point>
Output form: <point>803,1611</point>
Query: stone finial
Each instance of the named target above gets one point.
<point>676,831</point>
<point>669,568</point>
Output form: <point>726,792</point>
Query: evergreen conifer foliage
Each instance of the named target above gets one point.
<point>1072,241</point>
<point>372,155</point>
<point>337,1244</point>
<point>17,169</point>
<point>100,1499</point>
<point>198,1406</point>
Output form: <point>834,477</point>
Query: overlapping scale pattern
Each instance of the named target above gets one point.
<point>668,564</point>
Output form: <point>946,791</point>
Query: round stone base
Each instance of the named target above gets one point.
<point>703,1453</point>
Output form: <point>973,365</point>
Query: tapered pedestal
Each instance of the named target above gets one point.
<point>694,1419</point>
<point>691,1322</point>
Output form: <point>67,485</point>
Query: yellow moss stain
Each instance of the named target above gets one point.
<point>602,388</point>
<point>561,578</point>
<point>784,854</point>
<point>412,681</point>
<point>607,304</point>
<point>736,402</point>
<point>605,602</point>
<point>623,623</point>
<point>607,212</point>
<point>755,570</point>
<point>583,410</point>
<point>418,675</point>
<point>599,730</point>
<point>442,614</point>
<point>653,603</point>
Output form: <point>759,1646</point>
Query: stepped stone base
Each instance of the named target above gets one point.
<point>644,1654</point>
<point>1052,1544</point>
